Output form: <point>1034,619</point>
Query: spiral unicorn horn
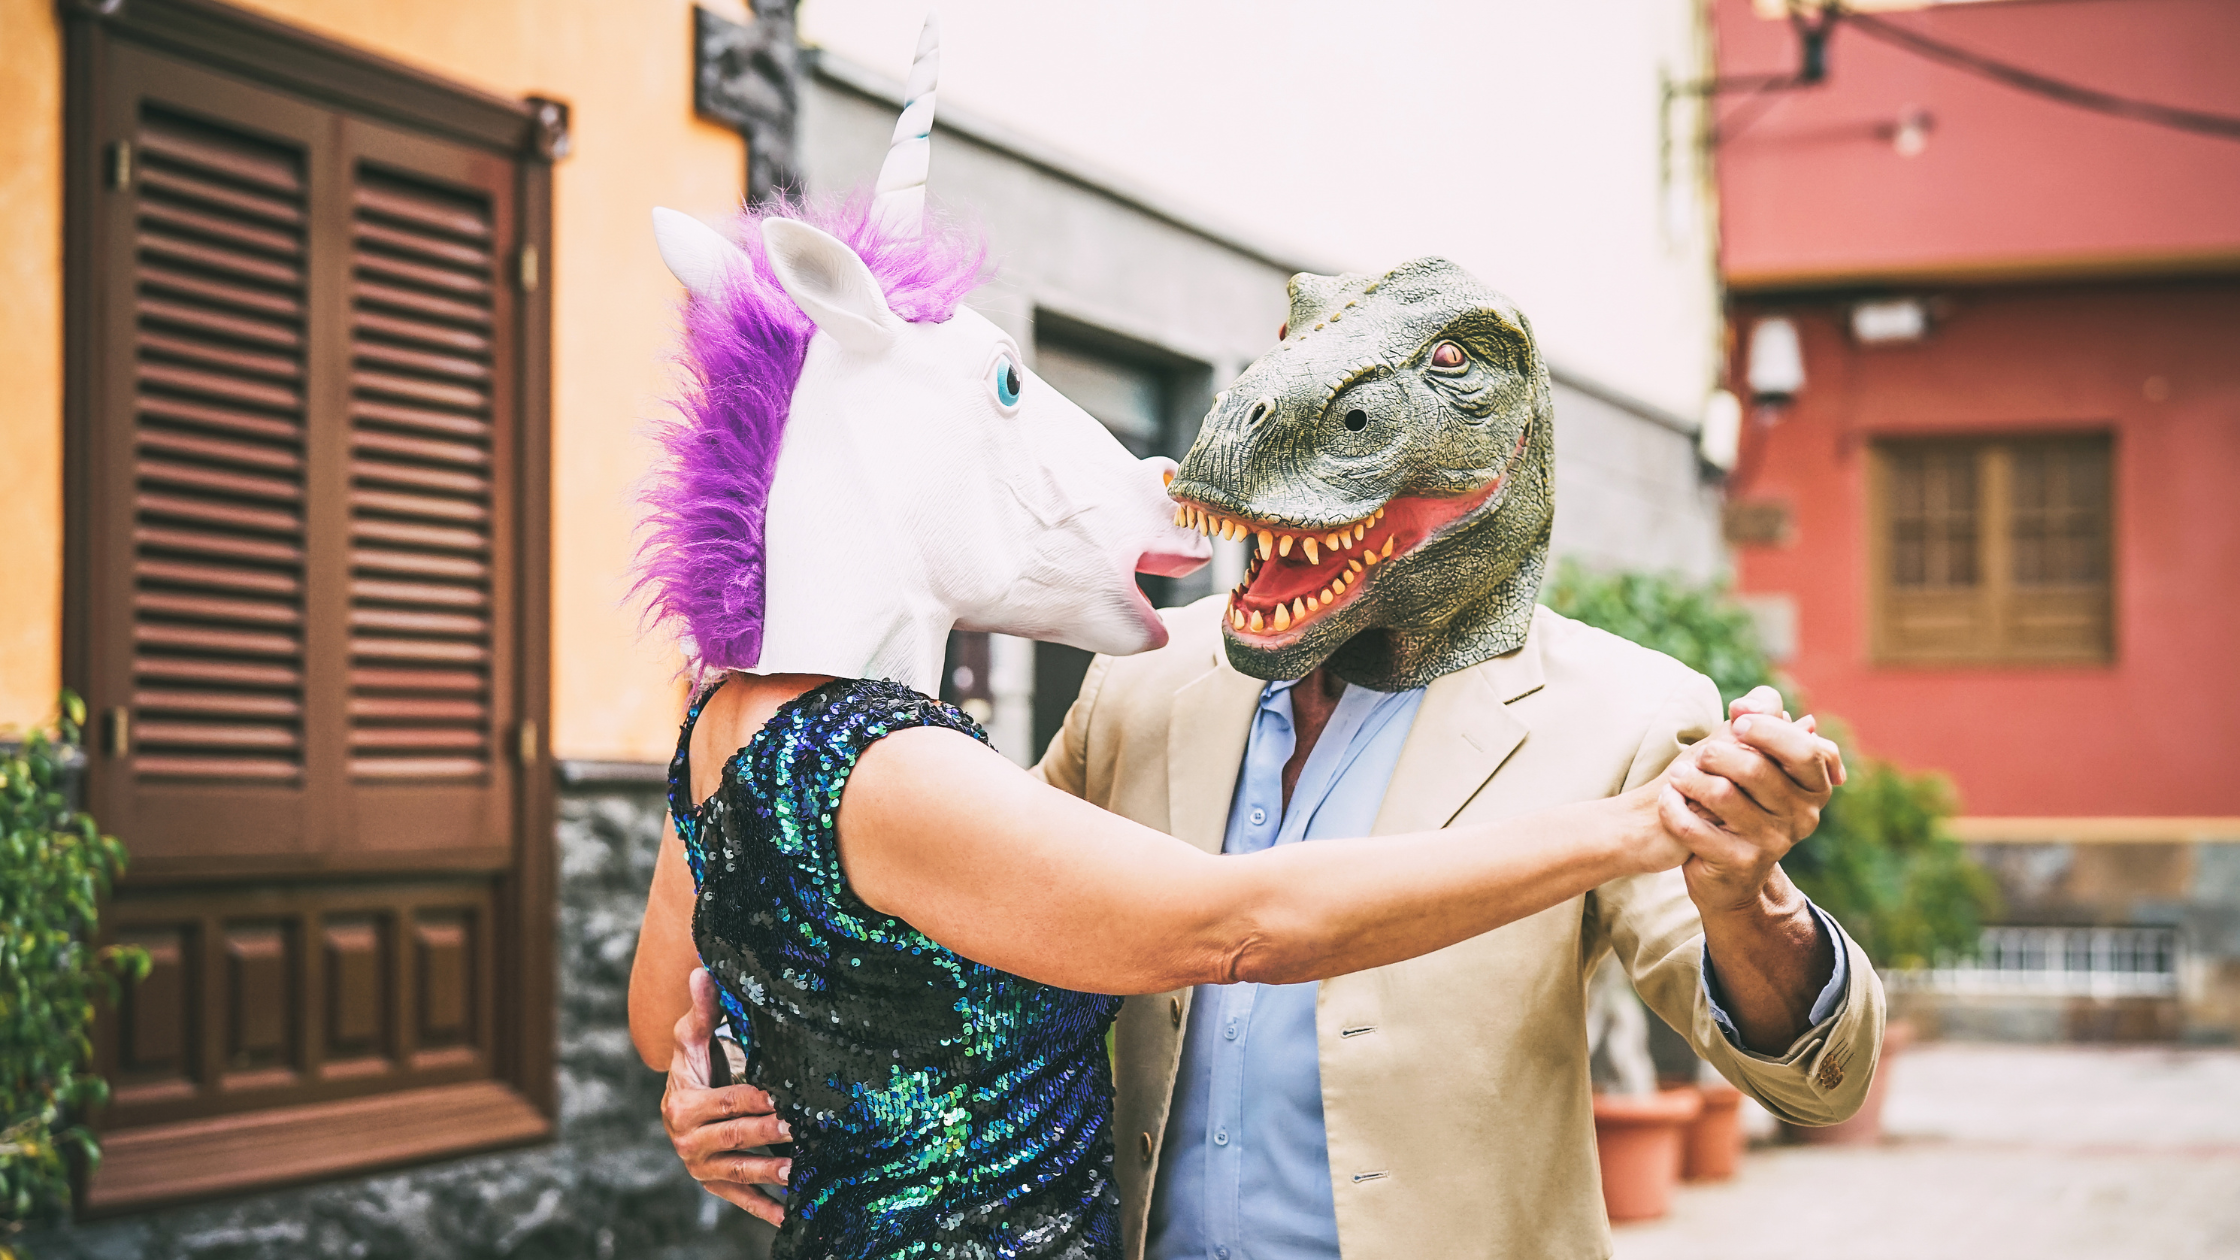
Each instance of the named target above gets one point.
<point>900,204</point>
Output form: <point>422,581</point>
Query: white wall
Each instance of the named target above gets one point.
<point>1517,137</point>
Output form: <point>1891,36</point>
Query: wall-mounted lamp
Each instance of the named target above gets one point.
<point>1719,439</point>
<point>1909,135</point>
<point>1776,364</point>
<point>1890,321</point>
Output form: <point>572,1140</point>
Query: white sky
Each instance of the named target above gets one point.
<point>1517,137</point>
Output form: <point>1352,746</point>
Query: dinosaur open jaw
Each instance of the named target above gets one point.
<point>1296,575</point>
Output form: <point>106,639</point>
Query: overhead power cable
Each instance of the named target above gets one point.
<point>2222,126</point>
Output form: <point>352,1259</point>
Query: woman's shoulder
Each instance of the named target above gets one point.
<point>857,712</point>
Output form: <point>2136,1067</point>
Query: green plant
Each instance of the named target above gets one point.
<point>55,866</point>
<point>1882,861</point>
<point>1696,625</point>
<point>1884,864</point>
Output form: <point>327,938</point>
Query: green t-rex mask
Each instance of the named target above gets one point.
<point>1392,465</point>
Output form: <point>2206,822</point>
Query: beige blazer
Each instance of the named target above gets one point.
<point>1454,1086</point>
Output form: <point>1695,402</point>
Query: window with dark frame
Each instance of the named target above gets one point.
<point>1993,550</point>
<point>307,554</point>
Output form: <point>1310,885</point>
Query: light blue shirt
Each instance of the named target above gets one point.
<point>1244,1172</point>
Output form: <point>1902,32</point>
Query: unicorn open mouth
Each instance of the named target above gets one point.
<point>1299,574</point>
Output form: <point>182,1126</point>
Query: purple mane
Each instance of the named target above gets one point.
<point>701,560</point>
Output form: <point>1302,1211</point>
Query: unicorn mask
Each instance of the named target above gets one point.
<point>864,464</point>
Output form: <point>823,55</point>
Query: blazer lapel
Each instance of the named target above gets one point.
<point>1462,734</point>
<point>1207,730</point>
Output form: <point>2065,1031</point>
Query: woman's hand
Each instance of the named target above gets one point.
<point>714,1130</point>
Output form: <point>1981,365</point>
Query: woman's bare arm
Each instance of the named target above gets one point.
<point>940,831</point>
<point>661,971</point>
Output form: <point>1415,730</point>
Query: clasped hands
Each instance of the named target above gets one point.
<point>1732,805</point>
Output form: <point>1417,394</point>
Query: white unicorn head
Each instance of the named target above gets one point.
<point>918,477</point>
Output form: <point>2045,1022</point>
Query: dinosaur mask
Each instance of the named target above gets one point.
<point>1391,467</point>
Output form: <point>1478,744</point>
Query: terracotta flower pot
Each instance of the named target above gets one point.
<point>1639,1140</point>
<point>1713,1143</point>
<point>1864,1128</point>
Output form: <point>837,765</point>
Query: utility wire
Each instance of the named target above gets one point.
<point>2222,126</point>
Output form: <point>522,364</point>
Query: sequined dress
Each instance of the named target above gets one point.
<point>939,1107</point>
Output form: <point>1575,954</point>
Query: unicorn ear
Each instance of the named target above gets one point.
<point>697,255</point>
<point>831,284</point>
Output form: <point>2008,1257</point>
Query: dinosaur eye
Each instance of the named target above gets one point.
<point>1005,378</point>
<point>1446,356</point>
<point>1357,420</point>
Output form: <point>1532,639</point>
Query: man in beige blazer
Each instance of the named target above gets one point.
<point>1454,1086</point>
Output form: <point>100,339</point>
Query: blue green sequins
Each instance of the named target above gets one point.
<point>939,1107</point>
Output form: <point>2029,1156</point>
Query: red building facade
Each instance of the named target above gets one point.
<point>2002,509</point>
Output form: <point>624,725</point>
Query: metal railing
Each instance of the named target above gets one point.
<point>2097,962</point>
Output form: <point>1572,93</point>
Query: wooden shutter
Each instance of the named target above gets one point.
<point>303,419</point>
<point>1992,551</point>
<point>217,623</point>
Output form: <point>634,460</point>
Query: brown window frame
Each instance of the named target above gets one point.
<point>477,1071</point>
<point>1992,617</point>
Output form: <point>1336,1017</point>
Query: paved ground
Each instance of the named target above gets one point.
<point>2035,1153</point>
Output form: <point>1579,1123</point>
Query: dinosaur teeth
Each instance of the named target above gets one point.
<point>1360,532</point>
<point>1253,623</point>
<point>1370,556</point>
<point>1388,546</point>
<point>1298,609</point>
<point>1283,617</point>
<point>1267,544</point>
<point>1283,545</point>
<point>1333,542</point>
<point>1353,566</point>
<point>1236,617</point>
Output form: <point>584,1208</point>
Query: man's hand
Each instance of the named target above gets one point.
<point>714,1129</point>
<point>1743,798</point>
<point>1740,801</point>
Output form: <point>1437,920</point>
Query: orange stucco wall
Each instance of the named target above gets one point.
<point>625,68</point>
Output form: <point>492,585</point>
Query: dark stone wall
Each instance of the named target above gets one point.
<point>607,1187</point>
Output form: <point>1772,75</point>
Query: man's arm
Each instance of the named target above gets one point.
<point>1065,763</point>
<point>1771,960</point>
<point>1662,927</point>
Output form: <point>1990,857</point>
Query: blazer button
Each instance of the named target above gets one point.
<point>1146,1136</point>
<point>1174,1010</point>
<point>1831,1073</point>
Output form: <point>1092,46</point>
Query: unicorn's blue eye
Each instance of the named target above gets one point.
<point>1007,381</point>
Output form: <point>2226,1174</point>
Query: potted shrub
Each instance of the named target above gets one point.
<point>1639,1129</point>
<point>1882,862</point>
<point>1885,866</point>
<point>55,867</point>
<point>1694,1128</point>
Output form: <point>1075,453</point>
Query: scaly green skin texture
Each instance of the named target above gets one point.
<point>1277,451</point>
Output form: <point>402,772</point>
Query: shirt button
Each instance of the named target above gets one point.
<point>1259,816</point>
<point>1221,1253</point>
<point>1220,1137</point>
<point>1231,1031</point>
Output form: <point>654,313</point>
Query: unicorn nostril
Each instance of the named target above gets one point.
<point>1261,410</point>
